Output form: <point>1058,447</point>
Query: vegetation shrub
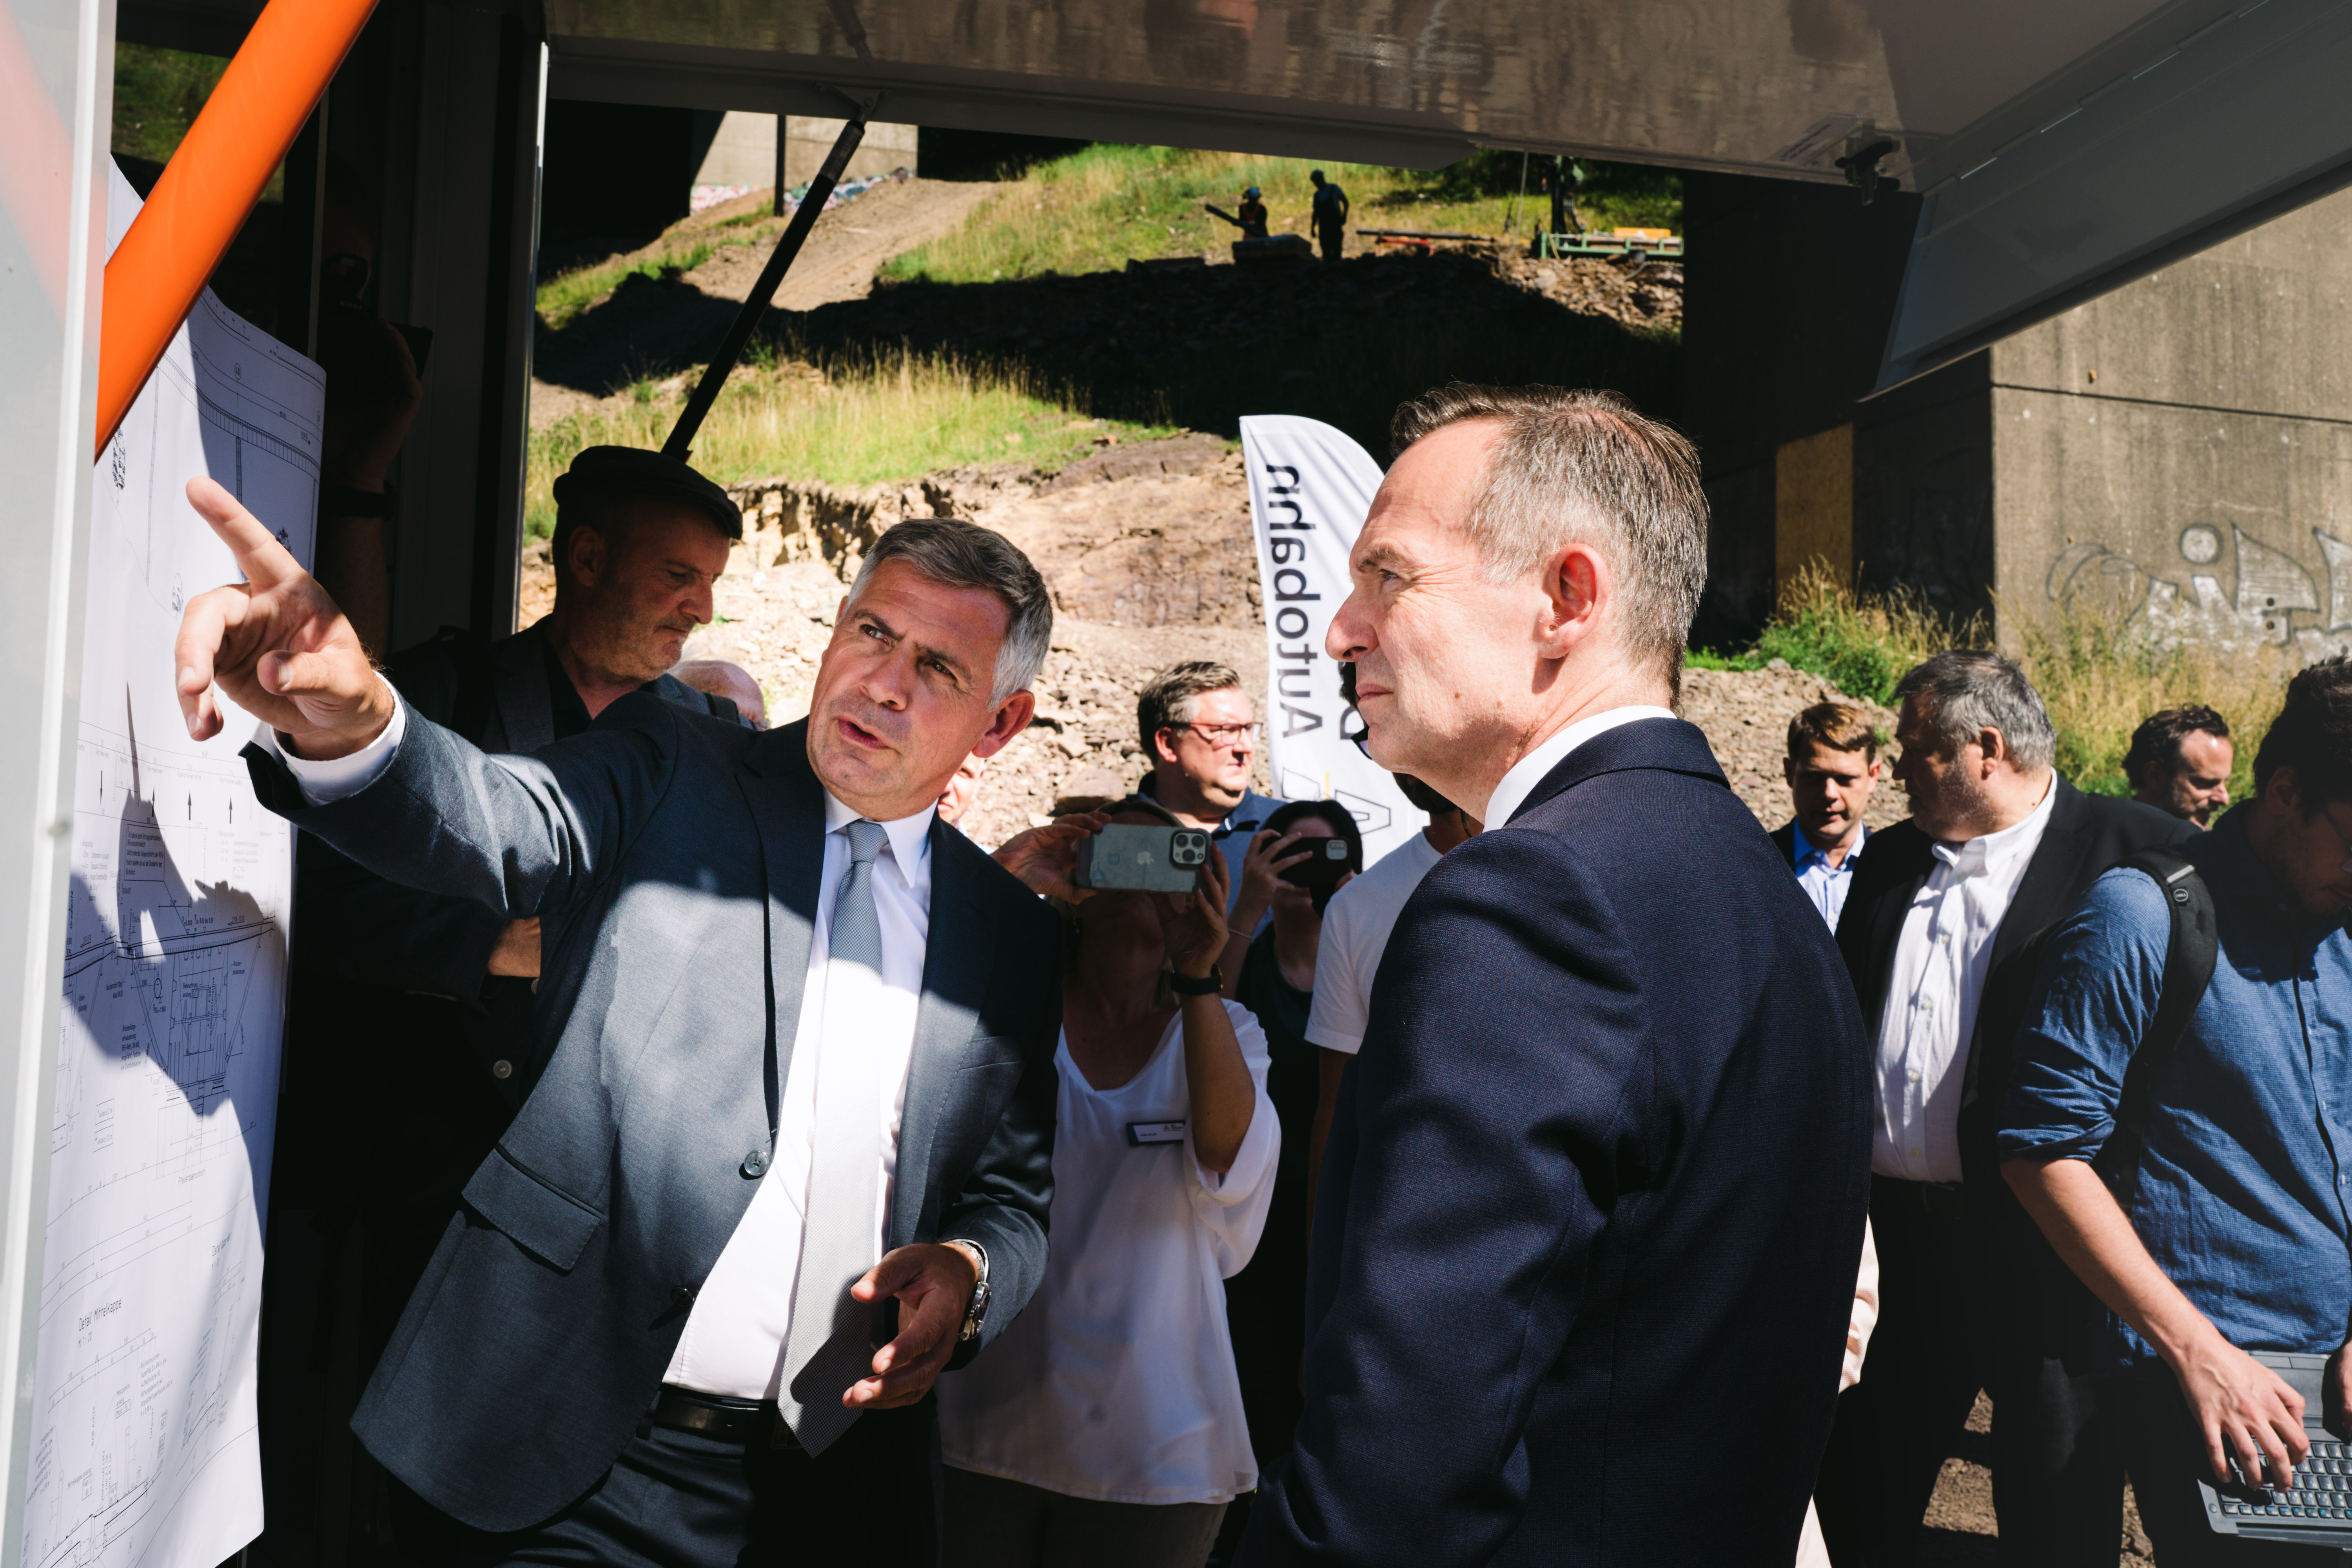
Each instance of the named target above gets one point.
<point>2099,672</point>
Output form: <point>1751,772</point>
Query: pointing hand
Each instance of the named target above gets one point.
<point>276,644</point>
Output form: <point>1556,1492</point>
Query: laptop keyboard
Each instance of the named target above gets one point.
<point>2322,1491</point>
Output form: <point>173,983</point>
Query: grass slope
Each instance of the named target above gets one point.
<point>871,420</point>
<point>1093,210</point>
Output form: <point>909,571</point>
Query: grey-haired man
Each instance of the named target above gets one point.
<point>1941,932</point>
<point>790,1153</point>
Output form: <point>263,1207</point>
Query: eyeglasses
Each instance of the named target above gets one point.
<point>1226,734</point>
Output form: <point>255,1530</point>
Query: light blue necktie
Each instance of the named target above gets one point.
<point>829,1345</point>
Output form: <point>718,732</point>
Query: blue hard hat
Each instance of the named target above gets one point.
<point>1249,194</point>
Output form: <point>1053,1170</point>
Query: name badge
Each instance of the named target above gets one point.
<point>1141,1133</point>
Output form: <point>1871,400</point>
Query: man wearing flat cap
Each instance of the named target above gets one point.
<point>433,996</point>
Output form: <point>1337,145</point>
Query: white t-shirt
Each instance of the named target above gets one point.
<point>1118,1382</point>
<point>1356,926</point>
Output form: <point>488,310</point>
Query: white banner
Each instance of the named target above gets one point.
<point>1309,488</point>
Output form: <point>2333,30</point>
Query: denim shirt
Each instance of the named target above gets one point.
<point>2241,1197</point>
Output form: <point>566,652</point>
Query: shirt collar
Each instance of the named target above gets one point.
<point>1808,852</point>
<point>1530,770</point>
<point>910,836</point>
<point>1999,853</point>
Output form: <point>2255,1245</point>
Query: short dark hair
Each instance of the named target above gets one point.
<point>1166,699</point>
<point>2157,740</point>
<point>1840,726</point>
<point>2313,735</point>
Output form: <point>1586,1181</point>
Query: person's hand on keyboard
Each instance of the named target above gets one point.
<point>2335,1384</point>
<point>2246,1411</point>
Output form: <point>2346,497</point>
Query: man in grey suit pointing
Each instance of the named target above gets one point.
<point>787,1153</point>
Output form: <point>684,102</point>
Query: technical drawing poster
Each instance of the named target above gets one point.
<point>144,1449</point>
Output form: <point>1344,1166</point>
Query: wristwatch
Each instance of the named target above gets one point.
<point>1207,986</point>
<point>977,1312</point>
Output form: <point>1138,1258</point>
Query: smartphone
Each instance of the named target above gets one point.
<point>1321,873</point>
<point>1143,859</point>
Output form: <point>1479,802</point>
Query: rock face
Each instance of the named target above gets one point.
<point>1148,551</point>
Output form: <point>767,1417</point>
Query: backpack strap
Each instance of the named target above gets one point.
<point>2191,950</point>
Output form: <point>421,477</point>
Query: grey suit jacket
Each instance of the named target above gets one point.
<point>674,860</point>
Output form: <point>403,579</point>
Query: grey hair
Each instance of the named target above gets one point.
<point>1960,693</point>
<point>959,554</point>
<point>1575,466</point>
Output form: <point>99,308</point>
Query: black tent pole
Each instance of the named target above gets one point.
<point>680,444</point>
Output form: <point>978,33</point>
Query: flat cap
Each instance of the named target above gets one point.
<point>633,472</point>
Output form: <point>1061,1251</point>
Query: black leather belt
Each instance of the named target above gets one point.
<point>752,1423</point>
<point>1945,1200</point>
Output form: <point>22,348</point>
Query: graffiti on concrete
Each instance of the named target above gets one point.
<point>2278,602</point>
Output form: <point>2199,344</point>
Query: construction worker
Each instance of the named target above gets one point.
<point>1253,215</point>
<point>1251,220</point>
<point>1330,215</point>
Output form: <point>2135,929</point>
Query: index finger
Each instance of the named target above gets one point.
<point>265,562</point>
<point>202,626</point>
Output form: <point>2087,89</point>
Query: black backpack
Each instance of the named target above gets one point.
<point>2189,959</point>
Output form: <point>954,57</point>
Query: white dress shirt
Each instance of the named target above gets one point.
<point>1825,884</point>
<point>734,1338</point>
<point>1930,1011</point>
<point>1530,770</point>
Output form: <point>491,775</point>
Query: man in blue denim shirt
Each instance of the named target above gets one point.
<point>2237,1238</point>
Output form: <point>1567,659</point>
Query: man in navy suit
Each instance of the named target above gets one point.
<point>1588,1223</point>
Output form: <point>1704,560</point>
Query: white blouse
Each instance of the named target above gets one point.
<point>1118,1382</point>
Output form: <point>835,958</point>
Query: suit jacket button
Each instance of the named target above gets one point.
<point>755,1163</point>
<point>680,1295</point>
<point>502,1069</point>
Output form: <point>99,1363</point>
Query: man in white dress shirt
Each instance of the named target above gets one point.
<point>1833,770</point>
<point>788,1137</point>
<point>1939,932</point>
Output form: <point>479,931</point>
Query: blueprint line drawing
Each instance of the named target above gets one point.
<point>173,964</point>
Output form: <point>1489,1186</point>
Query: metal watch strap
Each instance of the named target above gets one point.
<point>976,1311</point>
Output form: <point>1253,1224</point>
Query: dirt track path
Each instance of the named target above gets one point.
<point>838,263</point>
<point>848,243</point>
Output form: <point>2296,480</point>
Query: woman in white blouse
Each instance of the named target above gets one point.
<point>1105,1424</point>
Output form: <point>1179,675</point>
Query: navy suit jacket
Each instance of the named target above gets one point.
<point>674,860</point>
<point>1590,1219</point>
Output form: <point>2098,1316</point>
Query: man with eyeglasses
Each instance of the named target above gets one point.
<point>1201,731</point>
<point>2230,1152</point>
